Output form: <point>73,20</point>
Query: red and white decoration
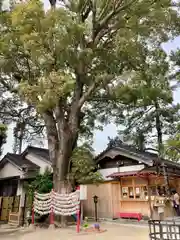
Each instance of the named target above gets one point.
<point>57,203</point>
<point>61,204</point>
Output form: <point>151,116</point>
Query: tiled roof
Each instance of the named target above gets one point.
<point>122,174</point>
<point>143,155</point>
<point>130,149</point>
<point>131,173</point>
<point>42,152</point>
<point>19,161</point>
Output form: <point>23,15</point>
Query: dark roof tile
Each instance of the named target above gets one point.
<point>20,161</point>
<point>143,154</point>
<point>42,152</point>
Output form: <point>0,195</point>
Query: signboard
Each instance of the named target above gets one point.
<point>83,192</point>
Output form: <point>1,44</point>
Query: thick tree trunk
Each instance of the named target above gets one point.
<point>62,139</point>
<point>61,167</point>
<point>158,128</point>
<point>60,153</point>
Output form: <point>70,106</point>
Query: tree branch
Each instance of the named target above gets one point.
<point>86,95</point>
<point>8,86</point>
<point>103,24</point>
<point>86,10</point>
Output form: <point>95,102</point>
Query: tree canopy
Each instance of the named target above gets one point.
<point>150,114</point>
<point>64,61</point>
<point>172,148</point>
<point>83,169</point>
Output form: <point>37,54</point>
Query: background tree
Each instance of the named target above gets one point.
<point>83,169</point>
<point>27,124</point>
<point>63,58</point>
<point>42,183</point>
<point>137,138</point>
<point>150,114</point>
<point>171,148</point>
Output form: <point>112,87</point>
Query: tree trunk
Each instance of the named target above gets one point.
<point>62,139</point>
<point>60,154</point>
<point>62,131</point>
<point>61,168</point>
<point>158,128</point>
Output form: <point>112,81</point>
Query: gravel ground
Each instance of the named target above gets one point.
<point>114,231</point>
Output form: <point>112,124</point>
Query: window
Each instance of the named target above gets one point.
<point>132,190</point>
<point>137,192</point>
<point>144,192</point>
<point>125,192</point>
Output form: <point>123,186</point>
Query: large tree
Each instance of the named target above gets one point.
<point>13,110</point>
<point>64,58</point>
<point>150,113</point>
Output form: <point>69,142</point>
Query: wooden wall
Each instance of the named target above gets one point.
<point>135,206</point>
<point>110,201</point>
<point>104,206</point>
<point>8,204</point>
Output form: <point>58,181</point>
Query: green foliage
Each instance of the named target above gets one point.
<point>172,148</point>
<point>83,168</point>
<point>13,109</point>
<point>175,58</point>
<point>150,114</point>
<point>41,184</point>
<point>64,61</point>
<point>49,44</point>
<point>82,171</point>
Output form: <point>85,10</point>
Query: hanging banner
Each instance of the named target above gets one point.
<point>65,204</point>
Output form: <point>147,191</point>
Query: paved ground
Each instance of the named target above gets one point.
<point>128,232</point>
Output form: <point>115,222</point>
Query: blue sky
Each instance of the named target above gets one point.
<point>100,137</point>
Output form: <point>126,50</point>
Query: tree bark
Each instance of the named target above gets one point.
<point>158,128</point>
<point>52,136</point>
<point>62,138</point>
<point>61,142</point>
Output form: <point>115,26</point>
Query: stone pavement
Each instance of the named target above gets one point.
<point>114,232</point>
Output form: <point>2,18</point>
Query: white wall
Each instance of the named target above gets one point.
<point>39,161</point>
<point>9,171</point>
<point>131,168</point>
<point>108,171</point>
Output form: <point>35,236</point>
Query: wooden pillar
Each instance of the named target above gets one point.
<point>149,198</point>
<point>21,193</point>
<point>166,179</point>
